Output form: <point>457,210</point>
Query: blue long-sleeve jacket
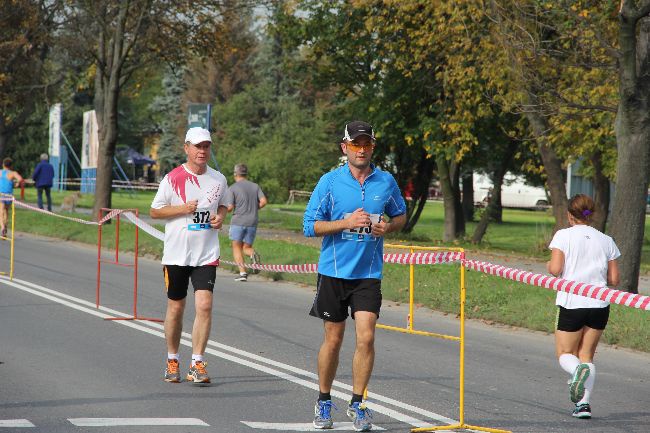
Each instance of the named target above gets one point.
<point>43,174</point>
<point>352,254</point>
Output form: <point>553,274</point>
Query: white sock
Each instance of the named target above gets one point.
<point>196,358</point>
<point>589,383</point>
<point>569,363</point>
<point>172,356</point>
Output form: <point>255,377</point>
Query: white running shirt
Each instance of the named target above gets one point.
<point>587,253</point>
<point>189,239</point>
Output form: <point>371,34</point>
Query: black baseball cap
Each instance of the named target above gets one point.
<point>358,128</point>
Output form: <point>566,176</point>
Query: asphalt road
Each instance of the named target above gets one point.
<point>66,369</point>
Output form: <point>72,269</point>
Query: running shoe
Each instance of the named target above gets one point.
<point>360,416</point>
<point>255,259</point>
<point>323,414</point>
<point>172,373</point>
<point>577,386</point>
<point>4,233</point>
<point>242,277</point>
<point>582,411</point>
<point>198,373</point>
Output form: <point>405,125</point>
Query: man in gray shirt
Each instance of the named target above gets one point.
<point>245,198</point>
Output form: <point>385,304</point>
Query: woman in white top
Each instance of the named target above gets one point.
<point>583,254</point>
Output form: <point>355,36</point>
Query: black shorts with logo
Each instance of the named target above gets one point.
<point>572,320</point>
<point>335,295</point>
<point>177,279</point>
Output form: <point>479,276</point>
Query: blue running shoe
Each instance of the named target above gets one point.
<point>323,414</point>
<point>360,416</point>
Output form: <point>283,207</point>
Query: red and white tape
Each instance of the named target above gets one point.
<point>112,214</point>
<point>145,226</point>
<point>307,268</point>
<point>424,258</point>
<point>47,212</point>
<point>404,259</point>
<point>614,296</point>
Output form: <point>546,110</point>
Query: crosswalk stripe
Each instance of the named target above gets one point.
<point>15,423</point>
<point>110,422</point>
<point>302,426</point>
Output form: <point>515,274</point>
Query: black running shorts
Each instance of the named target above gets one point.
<point>177,279</point>
<point>335,295</point>
<point>575,319</point>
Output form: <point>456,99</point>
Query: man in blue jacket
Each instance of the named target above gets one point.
<point>348,208</point>
<point>43,177</point>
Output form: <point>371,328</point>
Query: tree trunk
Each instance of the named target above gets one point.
<point>601,193</point>
<point>107,91</point>
<point>445,172</point>
<point>633,143</point>
<point>421,182</point>
<point>460,218</point>
<point>552,166</point>
<point>493,209</point>
<point>4,136</point>
<point>468,196</point>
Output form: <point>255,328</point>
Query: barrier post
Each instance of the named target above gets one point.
<point>9,236</point>
<point>411,292</point>
<point>13,233</point>
<point>134,265</point>
<point>461,405</point>
<point>99,257</point>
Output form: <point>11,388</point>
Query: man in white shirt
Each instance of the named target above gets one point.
<point>191,199</point>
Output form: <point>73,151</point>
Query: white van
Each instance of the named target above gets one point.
<point>514,192</point>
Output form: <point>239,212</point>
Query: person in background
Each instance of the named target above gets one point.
<point>43,180</point>
<point>191,199</point>
<point>7,179</point>
<point>245,199</point>
<point>583,254</point>
<point>348,208</point>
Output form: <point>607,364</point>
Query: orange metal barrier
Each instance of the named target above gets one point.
<point>117,262</point>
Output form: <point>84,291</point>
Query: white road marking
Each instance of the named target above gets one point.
<point>5,423</point>
<point>302,426</point>
<point>89,307</point>
<point>112,422</point>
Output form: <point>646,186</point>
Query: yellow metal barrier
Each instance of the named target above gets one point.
<point>10,238</point>
<point>410,330</point>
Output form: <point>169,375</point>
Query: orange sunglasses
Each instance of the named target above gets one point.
<point>358,147</point>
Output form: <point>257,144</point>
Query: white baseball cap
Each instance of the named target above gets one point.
<point>197,135</point>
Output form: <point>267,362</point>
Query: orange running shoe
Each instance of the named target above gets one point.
<point>172,373</point>
<point>198,373</point>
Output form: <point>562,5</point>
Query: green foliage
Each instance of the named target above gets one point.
<point>27,32</point>
<point>274,130</point>
<point>33,138</point>
<point>138,116</point>
<point>167,110</point>
<point>563,53</point>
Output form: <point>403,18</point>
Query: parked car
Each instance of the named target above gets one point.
<point>515,192</point>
